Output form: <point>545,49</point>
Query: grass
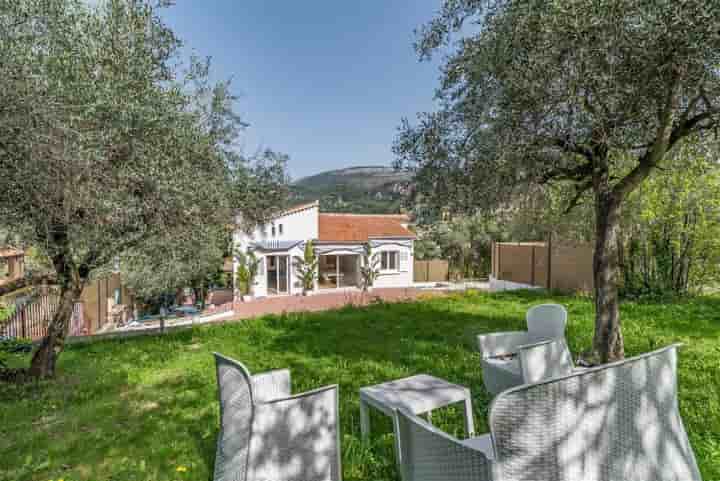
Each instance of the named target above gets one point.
<point>145,408</point>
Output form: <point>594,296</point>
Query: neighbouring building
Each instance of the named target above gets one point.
<point>339,241</point>
<point>103,303</point>
<point>12,264</point>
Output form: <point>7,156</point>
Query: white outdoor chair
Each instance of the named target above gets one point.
<point>499,351</point>
<point>267,434</point>
<point>616,422</point>
<point>545,360</point>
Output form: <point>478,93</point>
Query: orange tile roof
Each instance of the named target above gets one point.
<point>361,228</point>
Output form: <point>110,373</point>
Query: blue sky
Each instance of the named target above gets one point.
<point>324,81</point>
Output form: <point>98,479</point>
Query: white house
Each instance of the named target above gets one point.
<point>339,241</point>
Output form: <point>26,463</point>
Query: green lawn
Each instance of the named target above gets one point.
<point>145,408</point>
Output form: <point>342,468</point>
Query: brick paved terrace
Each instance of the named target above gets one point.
<point>324,301</point>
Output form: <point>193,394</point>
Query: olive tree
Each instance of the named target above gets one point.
<point>106,148</point>
<point>591,94</point>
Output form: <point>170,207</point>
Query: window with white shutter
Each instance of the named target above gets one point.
<point>404,261</point>
<point>389,261</point>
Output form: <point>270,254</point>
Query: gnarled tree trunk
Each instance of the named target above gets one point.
<point>71,282</point>
<point>608,343</point>
<point>44,358</point>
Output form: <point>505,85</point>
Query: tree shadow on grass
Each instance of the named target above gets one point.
<point>154,399</point>
<point>102,422</point>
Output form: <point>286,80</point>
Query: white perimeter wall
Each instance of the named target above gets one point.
<point>500,285</point>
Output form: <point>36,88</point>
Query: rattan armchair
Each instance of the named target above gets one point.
<point>268,434</point>
<point>545,360</point>
<point>499,351</point>
<point>616,422</point>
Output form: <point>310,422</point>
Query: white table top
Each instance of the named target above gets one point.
<point>417,394</point>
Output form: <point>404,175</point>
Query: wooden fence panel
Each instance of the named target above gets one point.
<point>435,270</point>
<point>420,271</point>
<point>564,266</point>
<point>31,320</point>
<point>572,267</point>
<point>516,263</point>
<point>438,270</point>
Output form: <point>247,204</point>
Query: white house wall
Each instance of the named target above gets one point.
<point>302,225</point>
<point>403,277</point>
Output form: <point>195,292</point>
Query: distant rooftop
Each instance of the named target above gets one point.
<point>10,252</point>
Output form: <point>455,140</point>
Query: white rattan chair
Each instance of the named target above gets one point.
<point>615,422</point>
<point>545,360</point>
<point>267,434</point>
<point>499,351</point>
<point>425,453</point>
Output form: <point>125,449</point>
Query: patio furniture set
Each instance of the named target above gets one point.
<point>548,420</point>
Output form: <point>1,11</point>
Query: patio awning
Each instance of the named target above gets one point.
<point>275,245</point>
<point>339,249</point>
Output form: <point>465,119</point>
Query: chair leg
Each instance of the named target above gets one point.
<point>469,422</point>
<point>364,421</point>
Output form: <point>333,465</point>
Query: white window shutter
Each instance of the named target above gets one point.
<point>404,261</point>
<point>261,266</point>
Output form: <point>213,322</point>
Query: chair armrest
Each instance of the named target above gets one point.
<point>426,452</point>
<point>501,343</point>
<point>533,345</point>
<point>544,360</point>
<point>297,437</point>
<point>271,385</point>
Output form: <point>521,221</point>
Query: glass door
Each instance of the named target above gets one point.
<point>283,271</point>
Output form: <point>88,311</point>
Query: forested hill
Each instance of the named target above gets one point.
<point>372,190</point>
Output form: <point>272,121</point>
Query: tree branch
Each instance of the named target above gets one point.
<point>662,143</point>
<point>693,125</point>
<point>580,190</point>
<point>573,148</point>
<point>691,106</point>
<point>578,173</point>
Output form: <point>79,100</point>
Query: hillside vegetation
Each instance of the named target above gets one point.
<point>372,190</point>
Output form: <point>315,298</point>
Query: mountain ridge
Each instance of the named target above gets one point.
<point>372,189</point>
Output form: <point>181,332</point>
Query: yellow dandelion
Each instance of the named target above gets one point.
<point>181,469</point>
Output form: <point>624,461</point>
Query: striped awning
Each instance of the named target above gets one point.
<point>275,245</point>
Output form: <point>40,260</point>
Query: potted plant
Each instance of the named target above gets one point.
<point>306,268</point>
<point>370,269</point>
<point>247,269</point>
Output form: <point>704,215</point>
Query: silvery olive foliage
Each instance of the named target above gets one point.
<point>585,93</point>
<point>111,146</point>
